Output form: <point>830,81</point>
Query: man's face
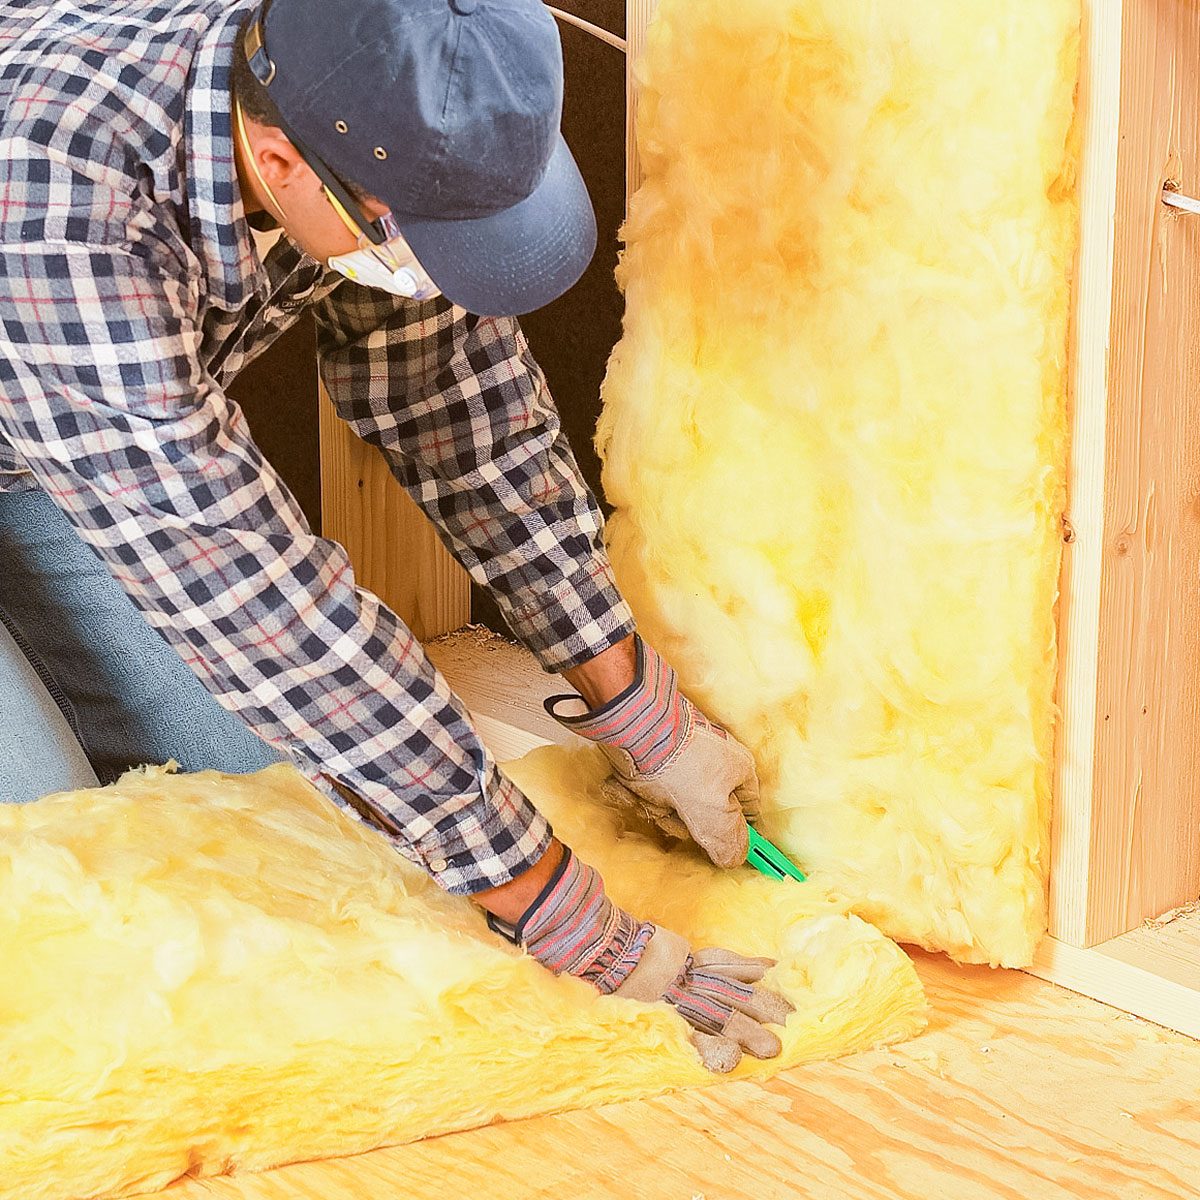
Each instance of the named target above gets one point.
<point>300,203</point>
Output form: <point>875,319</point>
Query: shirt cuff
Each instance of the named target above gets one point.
<point>488,845</point>
<point>483,845</point>
<point>572,622</point>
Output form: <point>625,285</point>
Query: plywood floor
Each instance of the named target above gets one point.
<point>1018,1090</point>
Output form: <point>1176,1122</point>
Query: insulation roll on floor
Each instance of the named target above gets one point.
<point>208,972</point>
<point>834,430</point>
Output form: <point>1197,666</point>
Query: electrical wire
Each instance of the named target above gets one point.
<point>1178,200</point>
<point>610,39</point>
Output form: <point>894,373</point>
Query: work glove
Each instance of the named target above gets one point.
<point>670,763</point>
<point>573,928</point>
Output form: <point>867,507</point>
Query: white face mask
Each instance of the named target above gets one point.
<point>389,265</point>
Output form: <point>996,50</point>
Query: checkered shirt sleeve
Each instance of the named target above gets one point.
<point>463,416</point>
<point>106,399</point>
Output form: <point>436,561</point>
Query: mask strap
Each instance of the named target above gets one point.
<point>248,150</point>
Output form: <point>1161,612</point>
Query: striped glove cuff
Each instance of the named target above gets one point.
<point>650,720</point>
<point>573,928</point>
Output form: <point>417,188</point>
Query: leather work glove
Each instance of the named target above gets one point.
<point>573,928</point>
<point>670,763</point>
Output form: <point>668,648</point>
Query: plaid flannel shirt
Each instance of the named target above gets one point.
<point>131,292</point>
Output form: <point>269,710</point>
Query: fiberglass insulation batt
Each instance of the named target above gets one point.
<point>208,971</point>
<point>835,429</point>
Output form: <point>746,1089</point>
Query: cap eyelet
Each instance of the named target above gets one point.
<point>380,153</point>
<point>341,126</point>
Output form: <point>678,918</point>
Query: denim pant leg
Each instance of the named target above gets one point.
<point>129,696</point>
<point>39,752</point>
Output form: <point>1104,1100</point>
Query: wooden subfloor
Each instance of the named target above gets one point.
<point>1019,1090</point>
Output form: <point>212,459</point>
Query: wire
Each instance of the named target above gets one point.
<point>604,35</point>
<point>1178,200</point>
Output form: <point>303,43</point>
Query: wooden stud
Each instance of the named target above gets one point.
<point>1079,608</point>
<point>1127,829</point>
<point>394,548</point>
<point>638,14</point>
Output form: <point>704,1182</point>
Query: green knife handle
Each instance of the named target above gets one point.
<point>763,851</point>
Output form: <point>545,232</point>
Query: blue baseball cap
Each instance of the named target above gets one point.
<point>449,112</point>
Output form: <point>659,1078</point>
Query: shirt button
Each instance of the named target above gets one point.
<point>438,865</point>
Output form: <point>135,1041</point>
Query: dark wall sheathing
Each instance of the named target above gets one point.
<point>278,393</point>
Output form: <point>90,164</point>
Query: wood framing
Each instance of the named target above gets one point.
<point>637,20</point>
<point>1127,820</point>
<point>1153,971</point>
<point>395,551</point>
<point>1079,606</point>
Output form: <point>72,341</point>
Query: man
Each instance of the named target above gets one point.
<point>410,151</point>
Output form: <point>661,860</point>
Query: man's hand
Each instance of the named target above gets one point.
<point>573,928</point>
<point>670,762</point>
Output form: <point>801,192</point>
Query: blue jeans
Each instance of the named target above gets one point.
<point>87,687</point>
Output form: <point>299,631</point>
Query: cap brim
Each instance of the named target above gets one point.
<point>514,261</point>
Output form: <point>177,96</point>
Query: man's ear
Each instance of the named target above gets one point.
<point>279,161</point>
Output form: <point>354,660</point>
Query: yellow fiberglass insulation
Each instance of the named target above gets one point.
<point>834,430</point>
<point>207,972</point>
